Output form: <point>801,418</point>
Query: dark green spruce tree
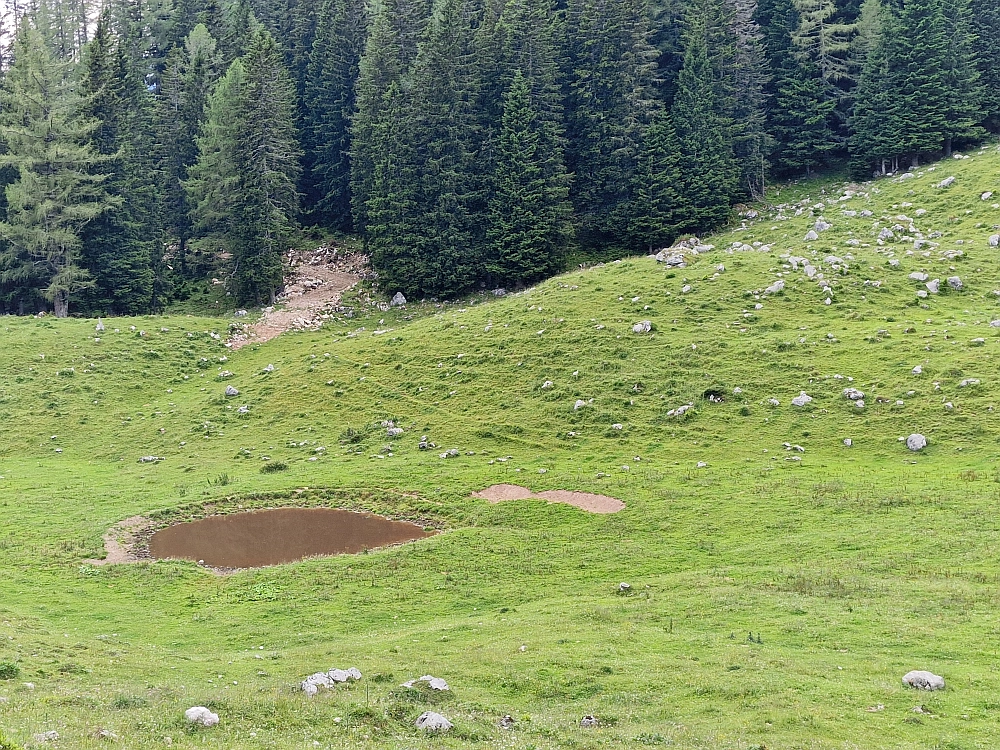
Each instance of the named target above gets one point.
<point>443,234</point>
<point>611,101</point>
<point>986,15</point>
<point>329,104</point>
<point>709,172</point>
<point>529,212</point>
<point>118,245</point>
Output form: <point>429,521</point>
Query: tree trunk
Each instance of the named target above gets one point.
<point>947,147</point>
<point>61,302</point>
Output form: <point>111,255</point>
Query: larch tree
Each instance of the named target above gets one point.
<point>61,184</point>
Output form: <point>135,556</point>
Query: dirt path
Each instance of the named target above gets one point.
<point>587,501</point>
<point>313,289</point>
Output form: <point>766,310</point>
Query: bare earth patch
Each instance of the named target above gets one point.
<point>119,541</point>
<point>313,289</point>
<point>587,501</point>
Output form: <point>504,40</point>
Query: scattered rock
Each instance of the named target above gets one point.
<point>269,368</point>
<point>433,722</point>
<point>50,736</point>
<point>231,391</point>
<point>589,721</point>
<point>969,381</point>
<point>918,370</point>
<point>105,734</point>
<point>201,715</point>
<point>947,182</point>
<point>995,240</point>
<point>241,313</point>
<point>776,288</point>
<point>580,403</point>
<point>547,385</point>
<point>150,459</point>
<point>933,286</point>
<point>243,410</point>
<point>680,411</point>
<point>394,432</point>
<point>923,680</point>
<point>434,683</point>
<point>848,442</point>
<point>424,445</point>
<point>451,453</point>
<point>811,236</point>
<point>643,326</point>
<point>986,196</point>
<point>822,225</point>
<point>802,399</point>
<point>624,588</point>
<point>853,394</point>
<point>955,282</point>
<point>506,722</point>
<point>918,276</point>
<point>916,442</point>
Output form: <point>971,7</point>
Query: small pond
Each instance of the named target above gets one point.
<point>272,537</point>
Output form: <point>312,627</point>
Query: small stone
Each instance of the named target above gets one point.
<point>918,370</point>
<point>918,276</point>
<point>947,182</point>
<point>848,442</point>
<point>434,683</point>
<point>933,286</point>
<point>394,432</point>
<point>269,368</point>
<point>955,282</point>
<point>50,736</point>
<point>398,300</point>
<point>969,381</point>
<point>986,196</point>
<point>923,680</point>
<point>579,404</point>
<point>811,236</point>
<point>643,326</point>
<point>802,399</point>
<point>995,240</point>
<point>624,588</point>
<point>589,721</point>
<point>916,442</point>
<point>853,394</point>
<point>506,722</point>
<point>201,715</point>
<point>231,391</point>
<point>433,722</point>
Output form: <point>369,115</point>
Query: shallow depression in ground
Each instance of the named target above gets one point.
<point>272,537</point>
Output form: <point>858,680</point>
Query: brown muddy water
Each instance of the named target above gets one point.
<point>272,537</point>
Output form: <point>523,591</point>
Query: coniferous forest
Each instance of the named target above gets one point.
<point>149,145</point>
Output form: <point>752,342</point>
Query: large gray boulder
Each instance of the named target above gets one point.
<point>231,391</point>
<point>995,240</point>
<point>916,442</point>
<point>933,286</point>
<point>923,680</point>
<point>201,715</point>
<point>955,282</point>
<point>433,722</point>
<point>398,300</point>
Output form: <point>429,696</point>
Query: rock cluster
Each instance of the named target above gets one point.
<point>312,684</point>
<point>201,715</point>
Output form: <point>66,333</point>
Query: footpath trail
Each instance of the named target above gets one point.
<point>313,288</point>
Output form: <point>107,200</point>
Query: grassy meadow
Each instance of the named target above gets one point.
<point>777,596</point>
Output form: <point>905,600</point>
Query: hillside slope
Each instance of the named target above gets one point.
<point>849,565</point>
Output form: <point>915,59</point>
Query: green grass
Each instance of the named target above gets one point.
<point>773,601</point>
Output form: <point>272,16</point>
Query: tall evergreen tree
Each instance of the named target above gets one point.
<point>802,104</point>
<point>59,189</point>
<point>611,102</point>
<point>961,76</point>
<point>443,235</point>
<point>709,169</point>
<point>875,130</point>
<point>117,246</point>
<point>330,102</point>
<point>661,208</point>
<point>529,211</point>
<point>390,50</point>
<point>244,183</point>
<point>986,15</point>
